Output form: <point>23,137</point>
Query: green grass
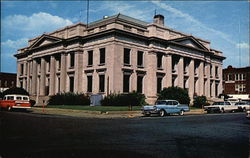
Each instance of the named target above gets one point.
<point>95,108</point>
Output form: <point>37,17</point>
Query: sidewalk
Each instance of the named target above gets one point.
<point>98,114</point>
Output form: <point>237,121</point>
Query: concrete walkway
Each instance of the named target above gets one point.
<point>98,114</point>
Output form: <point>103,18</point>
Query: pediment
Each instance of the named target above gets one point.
<point>190,41</point>
<point>45,40</point>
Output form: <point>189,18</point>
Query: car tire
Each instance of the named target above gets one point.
<point>146,115</point>
<point>222,110</point>
<point>9,108</point>
<point>244,109</point>
<point>181,113</point>
<point>162,113</point>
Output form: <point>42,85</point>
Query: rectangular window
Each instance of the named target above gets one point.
<point>240,77</point>
<point>102,56</point>
<point>72,60</point>
<point>139,58</point>
<point>90,57</point>
<point>126,56</point>
<point>216,71</point>
<point>71,82</point>
<point>21,72</point>
<point>101,83</point>
<point>159,60</point>
<point>139,84</point>
<point>126,78</point>
<point>236,77</point>
<point>243,76</point>
<point>89,78</point>
<point>58,85</point>
<point>159,84</point>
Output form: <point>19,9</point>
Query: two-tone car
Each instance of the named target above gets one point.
<point>243,106</point>
<point>165,107</point>
<point>221,106</point>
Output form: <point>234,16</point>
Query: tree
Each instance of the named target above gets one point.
<point>200,101</point>
<point>175,93</point>
<point>15,90</point>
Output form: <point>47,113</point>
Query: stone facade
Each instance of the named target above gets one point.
<point>119,54</point>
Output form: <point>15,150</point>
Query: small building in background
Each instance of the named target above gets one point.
<point>236,81</point>
<point>7,80</point>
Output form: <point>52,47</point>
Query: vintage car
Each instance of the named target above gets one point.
<point>221,106</point>
<point>243,106</point>
<point>15,101</point>
<point>165,107</point>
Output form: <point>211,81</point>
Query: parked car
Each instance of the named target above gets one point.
<point>14,101</point>
<point>165,107</point>
<point>222,106</point>
<point>243,106</point>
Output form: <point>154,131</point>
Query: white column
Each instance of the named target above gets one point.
<point>52,76</point>
<point>191,85</point>
<point>34,77</point>
<point>42,77</point>
<point>180,75</point>
<point>168,75</point>
<point>201,79</point>
<point>63,73</point>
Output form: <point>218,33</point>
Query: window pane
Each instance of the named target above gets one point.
<point>89,78</point>
<point>126,83</point>
<point>140,58</point>
<point>126,56</point>
<point>139,83</point>
<point>159,84</point>
<point>71,79</point>
<point>90,57</point>
<point>102,55</point>
<point>101,83</point>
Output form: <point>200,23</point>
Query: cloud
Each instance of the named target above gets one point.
<point>128,9</point>
<point>34,25</point>
<point>243,45</point>
<point>196,24</point>
<point>15,44</point>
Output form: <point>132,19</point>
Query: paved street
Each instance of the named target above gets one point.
<point>27,135</point>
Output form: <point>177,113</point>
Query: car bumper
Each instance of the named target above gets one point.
<point>149,112</point>
<point>21,107</point>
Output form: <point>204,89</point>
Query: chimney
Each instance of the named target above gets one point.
<point>159,19</point>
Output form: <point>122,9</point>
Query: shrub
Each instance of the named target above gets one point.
<point>175,93</point>
<point>200,101</point>
<point>69,98</point>
<point>32,102</point>
<point>129,99</point>
<point>15,90</point>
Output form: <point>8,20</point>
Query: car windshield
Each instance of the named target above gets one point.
<point>160,103</point>
<point>218,103</point>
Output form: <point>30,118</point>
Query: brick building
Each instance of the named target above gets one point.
<point>7,80</point>
<point>119,54</point>
<point>236,80</point>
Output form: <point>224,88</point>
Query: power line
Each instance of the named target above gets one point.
<point>87,12</point>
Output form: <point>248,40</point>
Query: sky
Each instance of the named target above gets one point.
<point>224,23</point>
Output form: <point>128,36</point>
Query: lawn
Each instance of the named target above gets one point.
<point>95,108</point>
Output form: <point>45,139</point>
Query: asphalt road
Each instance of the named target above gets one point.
<point>26,135</point>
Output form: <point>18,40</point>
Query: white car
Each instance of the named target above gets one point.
<point>243,106</point>
<point>222,106</point>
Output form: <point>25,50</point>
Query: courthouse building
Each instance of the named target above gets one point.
<point>119,54</point>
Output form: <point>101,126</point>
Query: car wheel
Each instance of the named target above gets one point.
<point>9,108</point>
<point>222,110</point>
<point>244,109</point>
<point>162,113</point>
<point>146,115</point>
<point>181,112</point>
